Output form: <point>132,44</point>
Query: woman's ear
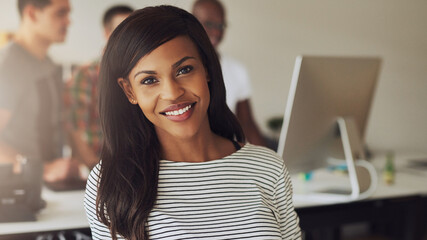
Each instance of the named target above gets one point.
<point>127,89</point>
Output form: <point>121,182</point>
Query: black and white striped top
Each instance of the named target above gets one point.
<point>246,195</point>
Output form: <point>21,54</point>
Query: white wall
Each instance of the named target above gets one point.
<point>267,36</point>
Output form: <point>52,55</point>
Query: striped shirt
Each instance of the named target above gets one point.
<point>246,195</point>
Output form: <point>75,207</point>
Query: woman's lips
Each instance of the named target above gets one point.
<point>179,112</point>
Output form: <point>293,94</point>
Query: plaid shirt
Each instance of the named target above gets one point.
<point>81,100</point>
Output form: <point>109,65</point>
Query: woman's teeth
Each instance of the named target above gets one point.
<point>178,112</point>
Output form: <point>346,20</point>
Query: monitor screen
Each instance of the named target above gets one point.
<point>322,90</point>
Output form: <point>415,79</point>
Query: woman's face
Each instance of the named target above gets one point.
<point>170,85</point>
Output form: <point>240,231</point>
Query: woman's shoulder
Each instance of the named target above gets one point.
<point>95,172</point>
<point>249,148</point>
<point>91,192</point>
<point>260,154</point>
<point>93,178</point>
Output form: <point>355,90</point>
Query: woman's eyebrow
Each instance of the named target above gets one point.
<point>144,71</point>
<point>175,65</point>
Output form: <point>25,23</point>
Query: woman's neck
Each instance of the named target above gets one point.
<point>202,148</point>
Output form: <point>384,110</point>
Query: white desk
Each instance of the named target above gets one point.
<point>398,211</point>
<point>406,183</point>
<point>64,210</point>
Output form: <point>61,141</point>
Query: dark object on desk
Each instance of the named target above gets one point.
<point>416,166</point>
<point>420,163</point>
<point>66,185</point>
<point>20,194</point>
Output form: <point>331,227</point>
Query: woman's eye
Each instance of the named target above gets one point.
<point>185,70</point>
<point>148,81</point>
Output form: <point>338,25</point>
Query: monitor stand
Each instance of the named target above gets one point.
<point>362,174</point>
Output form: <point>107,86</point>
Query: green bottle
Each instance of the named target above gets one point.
<point>389,169</point>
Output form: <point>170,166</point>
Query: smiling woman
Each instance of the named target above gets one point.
<point>174,159</point>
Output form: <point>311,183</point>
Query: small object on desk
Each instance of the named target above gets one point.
<point>341,169</point>
<point>389,169</point>
<point>305,176</point>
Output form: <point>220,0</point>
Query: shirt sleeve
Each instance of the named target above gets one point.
<point>99,230</point>
<point>289,221</point>
<point>245,89</point>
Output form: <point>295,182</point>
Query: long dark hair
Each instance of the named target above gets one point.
<point>131,150</point>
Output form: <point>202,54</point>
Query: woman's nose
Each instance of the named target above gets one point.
<point>171,90</point>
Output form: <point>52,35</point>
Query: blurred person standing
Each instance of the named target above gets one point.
<point>31,90</point>
<point>82,98</point>
<point>211,14</point>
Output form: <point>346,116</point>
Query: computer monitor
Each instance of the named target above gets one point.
<point>327,110</point>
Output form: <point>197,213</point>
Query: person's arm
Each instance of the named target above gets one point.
<point>250,128</point>
<point>98,228</point>
<point>289,221</point>
<point>81,150</point>
<point>62,169</point>
<point>79,102</point>
<point>7,153</point>
<point>58,169</point>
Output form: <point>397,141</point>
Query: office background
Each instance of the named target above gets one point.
<point>267,36</point>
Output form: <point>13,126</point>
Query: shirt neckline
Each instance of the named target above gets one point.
<point>243,148</point>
